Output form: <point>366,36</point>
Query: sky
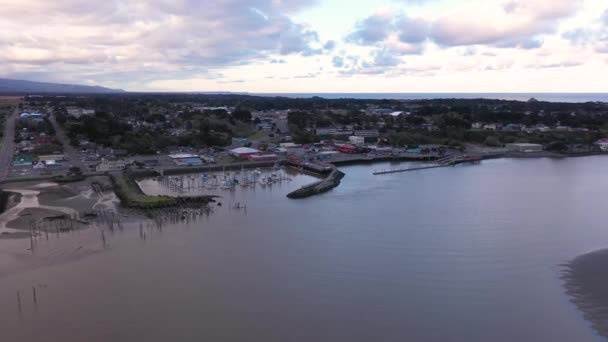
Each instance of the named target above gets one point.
<point>309,46</point>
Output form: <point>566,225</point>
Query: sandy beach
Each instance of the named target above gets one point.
<point>586,282</point>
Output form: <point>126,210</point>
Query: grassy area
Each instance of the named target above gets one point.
<point>131,195</point>
<point>258,135</point>
<point>69,178</point>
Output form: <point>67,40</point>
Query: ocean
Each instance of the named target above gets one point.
<point>549,97</point>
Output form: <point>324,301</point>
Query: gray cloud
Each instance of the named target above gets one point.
<point>124,38</point>
<point>526,22</point>
<point>371,30</point>
<point>412,30</point>
<point>338,61</point>
<point>595,35</point>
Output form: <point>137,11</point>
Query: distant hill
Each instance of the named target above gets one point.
<point>21,86</point>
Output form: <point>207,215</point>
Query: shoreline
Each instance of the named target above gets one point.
<point>586,283</point>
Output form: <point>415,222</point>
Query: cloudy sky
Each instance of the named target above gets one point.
<point>310,45</point>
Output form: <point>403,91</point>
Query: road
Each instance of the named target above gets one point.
<point>68,150</point>
<point>7,147</point>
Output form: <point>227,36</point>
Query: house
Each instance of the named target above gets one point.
<point>527,148</point>
<point>492,127</point>
<point>355,140</point>
<point>244,152</point>
<point>602,144</point>
<point>39,165</point>
<point>207,159</point>
<point>53,164</point>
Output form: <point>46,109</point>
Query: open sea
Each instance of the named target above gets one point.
<point>549,97</point>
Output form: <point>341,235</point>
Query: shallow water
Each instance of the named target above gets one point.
<point>466,253</point>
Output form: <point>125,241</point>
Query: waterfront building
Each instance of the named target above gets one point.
<point>244,152</point>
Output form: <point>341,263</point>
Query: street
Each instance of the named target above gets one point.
<point>7,146</point>
<point>69,151</point>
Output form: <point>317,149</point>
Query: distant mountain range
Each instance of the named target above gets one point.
<point>20,86</point>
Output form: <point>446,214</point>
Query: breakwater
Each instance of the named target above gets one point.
<point>332,180</point>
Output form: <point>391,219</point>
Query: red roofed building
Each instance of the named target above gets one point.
<point>347,149</point>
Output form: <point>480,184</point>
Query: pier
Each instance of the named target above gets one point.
<point>442,162</point>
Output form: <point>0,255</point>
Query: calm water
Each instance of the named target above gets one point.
<point>550,97</point>
<point>469,253</point>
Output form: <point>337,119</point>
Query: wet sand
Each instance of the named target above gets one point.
<point>36,201</point>
<point>586,282</point>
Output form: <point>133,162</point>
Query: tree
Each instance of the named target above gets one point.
<point>492,141</point>
<point>242,115</point>
<point>74,170</point>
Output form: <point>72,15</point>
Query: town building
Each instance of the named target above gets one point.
<point>356,140</point>
<point>244,152</point>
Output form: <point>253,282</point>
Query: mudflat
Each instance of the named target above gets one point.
<point>586,281</point>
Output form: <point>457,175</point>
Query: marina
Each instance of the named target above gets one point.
<point>218,182</point>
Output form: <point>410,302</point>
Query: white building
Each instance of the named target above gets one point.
<point>243,152</point>
<point>355,140</point>
<point>602,144</point>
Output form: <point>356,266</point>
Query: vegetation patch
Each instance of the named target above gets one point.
<point>131,196</point>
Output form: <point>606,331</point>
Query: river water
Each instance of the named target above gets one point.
<point>466,253</point>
